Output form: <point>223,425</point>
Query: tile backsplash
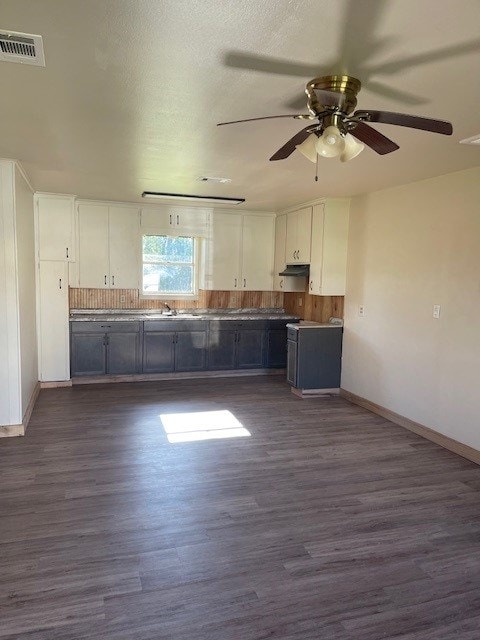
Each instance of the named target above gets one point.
<point>130,299</point>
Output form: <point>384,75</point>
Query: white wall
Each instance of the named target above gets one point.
<point>25,244</point>
<point>410,248</point>
<point>18,351</point>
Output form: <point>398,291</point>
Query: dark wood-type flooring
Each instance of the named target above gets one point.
<point>327,523</point>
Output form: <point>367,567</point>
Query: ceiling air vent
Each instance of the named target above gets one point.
<point>21,47</point>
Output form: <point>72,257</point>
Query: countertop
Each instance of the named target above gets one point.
<point>132,315</point>
<point>310,324</point>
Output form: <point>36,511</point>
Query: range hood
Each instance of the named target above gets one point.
<point>298,270</point>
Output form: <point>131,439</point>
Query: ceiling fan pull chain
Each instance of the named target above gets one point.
<point>316,169</point>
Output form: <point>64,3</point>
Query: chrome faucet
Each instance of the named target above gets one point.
<point>173,312</point>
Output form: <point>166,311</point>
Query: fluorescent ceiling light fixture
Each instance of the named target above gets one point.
<point>191,198</point>
<point>473,140</point>
<point>202,425</point>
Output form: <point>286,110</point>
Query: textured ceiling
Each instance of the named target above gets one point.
<point>133,89</point>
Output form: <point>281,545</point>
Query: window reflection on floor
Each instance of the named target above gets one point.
<point>202,425</point>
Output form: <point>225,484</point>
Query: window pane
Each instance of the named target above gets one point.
<point>167,278</point>
<point>167,249</point>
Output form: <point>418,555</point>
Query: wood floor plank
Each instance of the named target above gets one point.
<point>326,522</point>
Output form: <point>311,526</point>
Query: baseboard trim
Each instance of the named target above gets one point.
<point>425,432</point>
<point>14,430</point>
<point>314,393</point>
<point>153,377</point>
<point>55,384</point>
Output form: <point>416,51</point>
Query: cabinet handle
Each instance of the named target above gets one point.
<point>105,280</point>
<point>113,281</point>
<point>235,285</point>
<point>238,337</point>
<point>170,219</point>
<point>298,254</point>
<point>59,283</point>
<point>281,283</point>
<point>66,251</point>
<point>178,220</point>
<point>311,285</point>
<point>244,282</point>
<point>294,254</point>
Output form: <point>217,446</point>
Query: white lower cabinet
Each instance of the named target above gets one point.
<point>53,333</point>
<point>240,252</point>
<point>108,247</point>
<point>328,265</point>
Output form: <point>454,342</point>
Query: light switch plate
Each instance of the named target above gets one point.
<point>436,311</point>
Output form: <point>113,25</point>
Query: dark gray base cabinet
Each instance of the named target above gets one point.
<point>236,345</point>
<point>166,346</point>
<point>98,349</point>
<point>166,351</point>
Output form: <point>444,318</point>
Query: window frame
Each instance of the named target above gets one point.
<point>195,264</point>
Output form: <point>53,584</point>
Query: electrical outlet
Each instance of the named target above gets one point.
<point>436,311</point>
<point>361,310</point>
<point>122,298</point>
<point>300,302</point>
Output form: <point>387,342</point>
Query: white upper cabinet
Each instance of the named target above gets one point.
<point>94,267</point>
<point>257,253</point>
<point>55,227</point>
<point>124,247</point>
<point>109,246</point>
<point>283,283</point>
<point>223,252</point>
<point>299,229</point>
<point>328,264</point>
<point>240,252</point>
<point>191,221</point>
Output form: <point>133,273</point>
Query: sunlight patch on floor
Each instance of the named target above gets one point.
<point>202,425</point>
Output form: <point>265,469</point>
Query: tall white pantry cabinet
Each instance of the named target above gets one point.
<point>55,241</point>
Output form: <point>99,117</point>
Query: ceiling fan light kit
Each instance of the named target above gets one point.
<point>340,131</point>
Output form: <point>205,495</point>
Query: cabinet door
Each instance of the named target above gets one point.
<point>158,352</point>
<point>315,281</point>
<point>222,349</point>
<point>55,228</point>
<point>53,321</point>
<point>191,221</point>
<point>277,348</point>
<point>304,234</point>
<point>224,245</point>
<point>257,253</point>
<point>335,241</point>
<point>251,348</point>
<point>122,353</point>
<point>88,354</point>
<point>190,350</point>
<point>94,268</point>
<point>158,220</point>
<point>291,239</point>
<point>124,244</point>
<point>292,362</point>
<point>279,259</point>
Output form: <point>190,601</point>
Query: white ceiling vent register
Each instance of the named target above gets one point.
<point>21,47</point>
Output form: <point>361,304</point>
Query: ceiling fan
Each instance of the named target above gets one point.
<point>337,130</point>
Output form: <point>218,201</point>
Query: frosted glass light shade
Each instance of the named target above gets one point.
<point>308,147</point>
<point>331,143</point>
<point>352,148</point>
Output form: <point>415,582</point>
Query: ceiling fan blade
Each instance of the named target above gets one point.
<point>373,138</point>
<point>289,147</point>
<point>405,120</point>
<point>297,116</point>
